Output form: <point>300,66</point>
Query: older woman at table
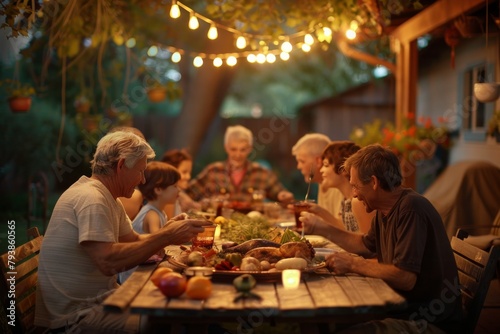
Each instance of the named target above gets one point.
<point>353,216</point>
<point>407,235</point>
<point>237,177</point>
<point>89,240</point>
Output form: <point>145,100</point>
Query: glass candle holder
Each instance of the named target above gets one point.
<point>290,278</point>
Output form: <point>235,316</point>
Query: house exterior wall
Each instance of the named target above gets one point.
<point>440,94</point>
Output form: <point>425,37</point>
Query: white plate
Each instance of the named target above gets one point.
<point>317,241</point>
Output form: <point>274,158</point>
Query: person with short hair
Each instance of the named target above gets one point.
<point>308,151</point>
<point>89,239</point>
<point>414,255</point>
<point>353,217</point>
<point>183,161</point>
<point>237,176</point>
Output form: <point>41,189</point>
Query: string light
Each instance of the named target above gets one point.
<point>176,57</point>
<point>268,46</point>
<point>241,42</point>
<point>193,22</point>
<point>212,32</point>
<point>175,12</point>
<point>153,51</point>
<point>350,34</point>
<point>130,43</point>
<point>217,62</point>
<point>198,61</point>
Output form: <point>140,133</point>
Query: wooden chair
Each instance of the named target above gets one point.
<point>19,275</point>
<point>476,268</point>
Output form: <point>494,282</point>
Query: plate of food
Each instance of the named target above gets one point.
<point>263,259</point>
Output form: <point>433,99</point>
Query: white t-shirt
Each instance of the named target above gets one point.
<point>331,200</point>
<point>69,283</point>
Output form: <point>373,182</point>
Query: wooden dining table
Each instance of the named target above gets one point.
<point>321,298</point>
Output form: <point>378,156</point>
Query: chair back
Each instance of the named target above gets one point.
<point>19,278</point>
<point>476,268</point>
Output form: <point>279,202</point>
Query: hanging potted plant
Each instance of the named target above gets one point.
<point>19,95</point>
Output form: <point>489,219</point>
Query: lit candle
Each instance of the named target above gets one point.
<point>290,278</point>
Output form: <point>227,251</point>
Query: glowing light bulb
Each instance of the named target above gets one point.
<point>241,42</point>
<point>251,58</point>
<point>290,278</point>
<point>193,22</point>
<point>306,47</point>
<point>350,34</point>
<point>327,31</point>
<point>153,51</point>
<point>197,61</point>
<point>261,58</point>
<point>284,56</point>
<point>130,43</point>
<point>286,47</point>
<point>217,62</point>
<point>212,32</point>
<point>308,39</point>
<point>270,58</point>
<point>176,57</point>
<point>231,60</point>
<point>175,12</point>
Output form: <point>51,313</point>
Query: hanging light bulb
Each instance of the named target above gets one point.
<point>174,10</point>
<point>217,62</point>
<point>286,47</point>
<point>308,39</point>
<point>193,22</point>
<point>212,32</point>
<point>251,58</point>
<point>176,57</point>
<point>231,60</point>
<point>350,34</point>
<point>284,56</point>
<point>327,31</point>
<point>241,42</point>
<point>153,51</point>
<point>197,61</point>
<point>261,58</point>
<point>306,47</point>
<point>270,58</point>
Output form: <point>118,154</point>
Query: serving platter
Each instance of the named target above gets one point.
<point>260,276</point>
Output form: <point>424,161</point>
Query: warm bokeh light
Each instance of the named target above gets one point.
<point>286,47</point>
<point>327,31</point>
<point>198,61</point>
<point>231,60</point>
<point>153,51</point>
<point>350,34</point>
<point>308,39</point>
<point>176,57</point>
<point>175,12</point>
<point>284,56</point>
<point>193,22</point>
<point>130,43</point>
<point>212,32</point>
<point>217,62</point>
<point>270,58</point>
<point>306,47</point>
<point>261,58</point>
<point>251,58</point>
<point>241,42</point>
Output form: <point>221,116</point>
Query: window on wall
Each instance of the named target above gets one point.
<point>474,112</point>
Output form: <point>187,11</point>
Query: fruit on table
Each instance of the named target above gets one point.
<point>292,263</point>
<point>244,283</point>
<point>172,284</point>
<point>158,273</point>
<point>199,287</point>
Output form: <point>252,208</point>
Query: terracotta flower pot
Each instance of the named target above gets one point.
<point>20,104</point>
<point>157,94</point>
<point>82,108</point>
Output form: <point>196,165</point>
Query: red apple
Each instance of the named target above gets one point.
<point>172,284</point>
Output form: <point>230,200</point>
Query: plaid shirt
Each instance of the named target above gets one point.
<point>215,180</point>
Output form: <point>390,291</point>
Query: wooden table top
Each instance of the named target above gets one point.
<point>319,296</point>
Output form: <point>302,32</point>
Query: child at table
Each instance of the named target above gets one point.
<point>159,190</point>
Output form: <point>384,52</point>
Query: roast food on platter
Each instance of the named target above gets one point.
<point>256,255</point>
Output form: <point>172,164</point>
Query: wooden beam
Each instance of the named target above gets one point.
<point>433,17</point>
<point>350,52</point>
